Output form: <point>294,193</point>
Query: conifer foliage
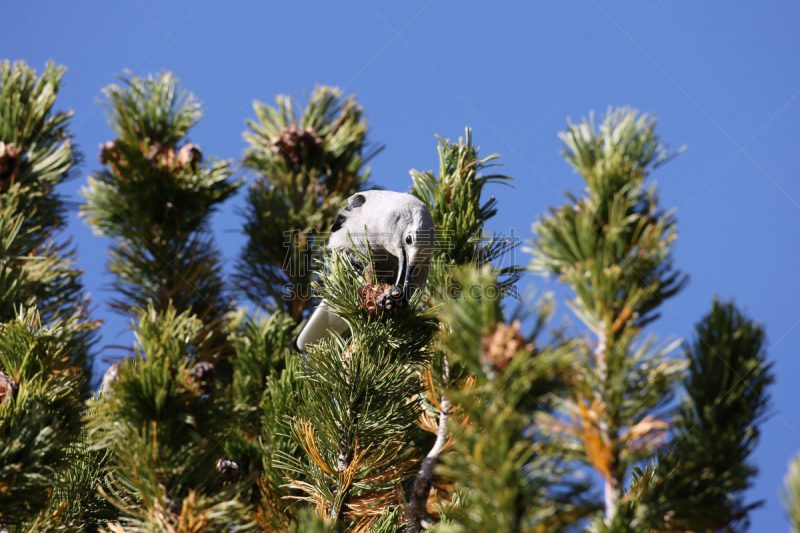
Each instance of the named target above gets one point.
<point>161,421</point>
<point>154,198</point>
<point>45,331</point>
<point>699,481</point>
<point>357,410</point>
<point>455,415</point>
<point>460,211</point>
<point>613,248</point>
<point>791,496</point>
<point>36,154</point>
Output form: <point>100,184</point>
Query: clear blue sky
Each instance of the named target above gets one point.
<point>722,77</point>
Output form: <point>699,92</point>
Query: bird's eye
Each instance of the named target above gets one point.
<point>409,240</point>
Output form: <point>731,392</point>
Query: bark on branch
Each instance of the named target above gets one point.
<point>422,485</point>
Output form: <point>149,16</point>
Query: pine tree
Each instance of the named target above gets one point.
<point>450,416</point>
<point>698,482</point>
<point>505,478</point>
<point>613,247</point>
<point>45,330</point>
<point>165,413</point>
<point>162,421</point>
<point>154,198</point>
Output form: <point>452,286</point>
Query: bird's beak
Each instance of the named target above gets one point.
<point>409,272</point>
<point>402,272</point>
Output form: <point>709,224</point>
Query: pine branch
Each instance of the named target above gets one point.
<point>454,198</point>
<point>45,329</point>
<point>613,247</point>
<point>308,162</point>
<point>422,484</point>
<point>154,197</point>
<point>77,487</point>
<point>265,384</point>
<point>357,409</point>
<point>36,154</point>
<point>41,390</point>
<point>163,420</point>
<point>699,483</point>
<point>504,475</point>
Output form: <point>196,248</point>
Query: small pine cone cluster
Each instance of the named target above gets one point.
<point>499,347</point>
<point>291,142</point>
<point>8,387</point>
<point>203,375</point>
<point>109,154</point>
<point>163,158</point>
<point>10,160</point>
<point>229,471</point>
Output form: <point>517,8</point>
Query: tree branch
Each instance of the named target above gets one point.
<point>422,485</point>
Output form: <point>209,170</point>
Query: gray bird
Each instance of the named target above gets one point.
<point>400,232</point>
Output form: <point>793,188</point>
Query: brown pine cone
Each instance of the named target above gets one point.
<point>162,157</point>
<point>190,155</point>
<point>205,375</point>
<point>369,294</point>
<point>10,160</point>
<point>498,348</point>
<point>8,387</point>
<point>291,141</point>
<point>393,300</point>
<point>229,471</point>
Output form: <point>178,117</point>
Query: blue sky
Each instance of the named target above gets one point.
<point>723,79</point>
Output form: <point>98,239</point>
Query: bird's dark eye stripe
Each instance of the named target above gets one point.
<point>409,240</point>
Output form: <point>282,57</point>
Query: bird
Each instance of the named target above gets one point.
<point>397,231</point>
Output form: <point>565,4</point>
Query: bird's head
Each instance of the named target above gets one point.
<point>417,240</point>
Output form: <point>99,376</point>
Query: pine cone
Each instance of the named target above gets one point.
<point>10,159</point>
<point>111,156</point>
<point>203,374</point>
<point>500,347</point>
<point>393,300</point>
<point>190,155</point>
<point>229,471</point>
<point>291,142</point>
<point>8,387</point>
<point>162,157</point>
<point>108,152</point>
<point>369,294</point>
